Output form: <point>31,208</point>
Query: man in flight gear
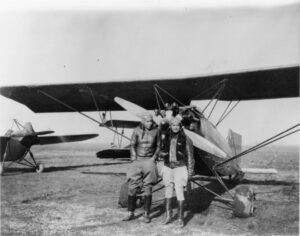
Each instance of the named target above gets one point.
<point>177,153</point>
<point>144,149</point>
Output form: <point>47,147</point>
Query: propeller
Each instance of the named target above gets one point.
<point>130,107</point>
<point>134,109</point>
<point>198,141</point>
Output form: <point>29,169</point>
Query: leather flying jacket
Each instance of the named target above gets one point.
<point>184,151</point>
<point>144,143</point>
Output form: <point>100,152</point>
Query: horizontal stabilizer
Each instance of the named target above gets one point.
<point>259,171</point>
<point>44,132</point>
<point>65,138</point>
<point>114,153</point>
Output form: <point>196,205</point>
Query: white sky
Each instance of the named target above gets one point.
<point>45,42</point>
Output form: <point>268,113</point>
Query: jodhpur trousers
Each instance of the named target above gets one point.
<point>142,174</point>
<point>177,178</point>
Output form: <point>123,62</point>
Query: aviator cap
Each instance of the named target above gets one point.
<point>146,115</point>
<point>175,121</point>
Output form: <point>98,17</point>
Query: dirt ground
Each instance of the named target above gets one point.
<point>78,195</point>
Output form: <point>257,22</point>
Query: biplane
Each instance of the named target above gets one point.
<point>16,145</point>
<point>214,155</point>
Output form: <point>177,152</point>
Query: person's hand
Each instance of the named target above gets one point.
<point>153,158</point>
<point>190,176</point>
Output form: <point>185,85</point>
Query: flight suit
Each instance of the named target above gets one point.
<point>142,174</point>
<point>144,148</point>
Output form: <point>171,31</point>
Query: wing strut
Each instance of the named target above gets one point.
<point>223,116</point>
<point>157,94</point>
<point>81,113</point>
<point>92,94</point>
<point>215,96</point>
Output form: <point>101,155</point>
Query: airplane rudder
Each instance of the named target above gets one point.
<point>235,141</point>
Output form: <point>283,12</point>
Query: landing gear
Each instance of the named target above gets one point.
<point>243,202</point>
<point>237,178</point>
<point>39,168</point>
<point>35,166</point>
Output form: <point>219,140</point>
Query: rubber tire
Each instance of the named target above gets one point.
<point>40,168</point>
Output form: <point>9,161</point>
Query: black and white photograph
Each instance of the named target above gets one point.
<point>150,117</point>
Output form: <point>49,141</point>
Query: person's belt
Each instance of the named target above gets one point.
<point>173,165</point>
<point>142,158</point>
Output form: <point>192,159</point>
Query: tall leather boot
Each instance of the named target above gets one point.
<point>147,207</point>
<point>131,208</point>
<point>168,219</point>
<point>180,221</point>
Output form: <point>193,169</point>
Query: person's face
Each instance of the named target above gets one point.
<point>175,128</point>
<point>147,122</point>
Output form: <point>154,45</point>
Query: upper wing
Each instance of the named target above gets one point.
<point>259,84</point>
<point>65,138</point>
<point>128,124</point>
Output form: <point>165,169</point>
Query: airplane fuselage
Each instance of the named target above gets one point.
<point>13,150</point>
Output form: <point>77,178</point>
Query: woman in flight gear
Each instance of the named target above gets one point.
<point>177,153</point>
<point>145,143</point>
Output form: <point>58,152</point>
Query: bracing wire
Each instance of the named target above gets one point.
<point>156,97</point>
<point>224,112</point>
<point>216,95</point>
<point>220,120</point>
<point>95,102</point>
<point>212,109</point>
<point>210,89</point>
<point>75,110</point>
<point>268,141</point>
<point>166,92</point>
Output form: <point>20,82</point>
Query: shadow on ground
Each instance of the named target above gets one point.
<point>18,170</point>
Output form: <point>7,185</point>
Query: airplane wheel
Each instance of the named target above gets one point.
<point>1,170</point>
<point>243,202</point>
<point>39,168</point>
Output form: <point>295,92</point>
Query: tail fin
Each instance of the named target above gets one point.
<point>235,142</point>
<point>27,130</point>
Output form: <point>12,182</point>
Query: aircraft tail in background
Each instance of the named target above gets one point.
<point>235,142</point>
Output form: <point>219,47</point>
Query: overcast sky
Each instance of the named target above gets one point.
<point>60,42</point>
